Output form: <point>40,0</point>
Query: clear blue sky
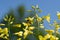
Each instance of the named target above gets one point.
<point>47,6</point>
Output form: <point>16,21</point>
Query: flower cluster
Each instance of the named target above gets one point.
<point>4,33</point>
<point>30,25</point>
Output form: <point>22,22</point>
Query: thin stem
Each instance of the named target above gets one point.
<point>55,33</point>
<point>37,23</point>
<point>9,31</point>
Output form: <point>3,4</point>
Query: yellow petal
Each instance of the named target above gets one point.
<point>31,28</point>
<point>58,15</point>
<point>26,24</point>
<point>50,31</point>
<point>17,25</point>
<point>0,29</point>
<point>2,24</point>
<point>19,39</point>
<point>47,18</point>
<point>26,33</point>
<point>41,26</point>
<point>53,38</point>
<point>39,19</point>
<point>19,33</point>
<point>47,36</point>
<point>5,30</point>
<point>41,37</point>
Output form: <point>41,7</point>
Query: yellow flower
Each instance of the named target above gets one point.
<point>5,37</point>
<point>9,19</point>
<point>57,26</point>
<point>53,38</point>
<point>0,30</point>
<point>30,20</point>
<point>39,19</point>
<point>47,36</point>
<point>5,19</point>
<point>17,25</point>
<point>19,39</point>
<point>4,33</point>
<point>47,18</point>
<point>30,32</point>
<point>26,24</point>
<point>11,22</point>
<point>25,33</point>
<point>1,36</point>
<point>19,33</point>
<point>57,32</point>
<point>2,24</point>
<point>41,26</point>
<point>58,15</point>
<point>41,37</point>
<point>31,28</point>
<point>50,31</point>
<point>5,30</point>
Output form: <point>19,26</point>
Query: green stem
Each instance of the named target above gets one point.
<point>55,33</point>
<point>9,31</point>
<point>37,23</point>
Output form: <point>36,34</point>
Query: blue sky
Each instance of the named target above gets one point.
<point>47,6</point>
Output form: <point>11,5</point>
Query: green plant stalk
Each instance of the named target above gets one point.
<point>37,23</point>
<point>55,33</point>
<point>9,31</point>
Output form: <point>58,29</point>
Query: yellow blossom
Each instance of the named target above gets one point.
<point>17,25</point>
<point>30,20</point>
<point>50,31</point>
<point>39,19</point>
<point>2,35</point>
<point>41,37</point>
<point>5,37</point>
<point>58,15</point>
<point>5,30</point>
<point>31,28</point>
<point>47,18</point>
<point>26,24</point>
<point>11,22</point>
<point>19,39</point>
<point>47,36</point>
<point>41,26</point>
<point>5,19</point>
<point>57,26</point>
<point>53,38</point>
<point>19,33</point>
<point>26,33</point>
<point>0,30</point>
<point>2,24</point>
